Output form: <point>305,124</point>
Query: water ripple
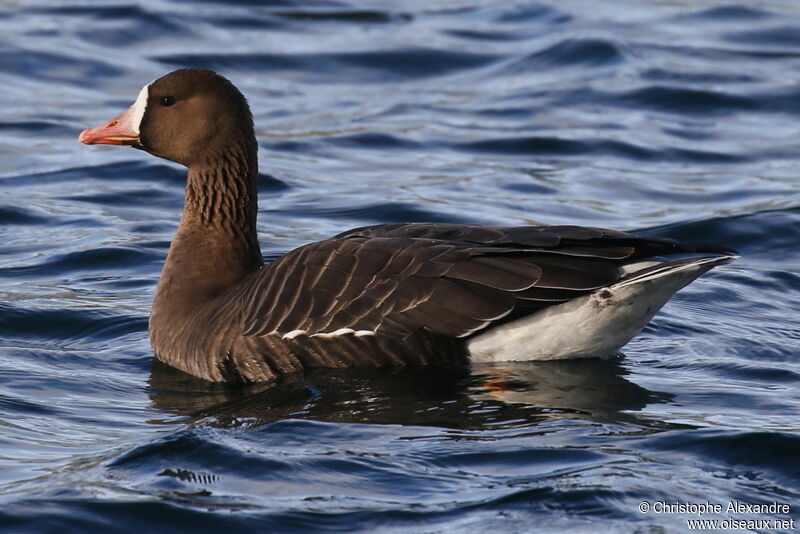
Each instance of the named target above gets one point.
<point>385,66</point>
<point>676,119</point>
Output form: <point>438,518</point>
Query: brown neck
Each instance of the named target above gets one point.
<point>216,244</point>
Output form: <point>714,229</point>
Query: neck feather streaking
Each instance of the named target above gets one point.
<point>222,193</point>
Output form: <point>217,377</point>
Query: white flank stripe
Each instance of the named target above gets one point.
<point>328,335</point>
<point>293,334</point>
<point>361,333</point>
<point>335,333</point>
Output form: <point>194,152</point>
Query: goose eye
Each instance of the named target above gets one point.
<point>167,101</point>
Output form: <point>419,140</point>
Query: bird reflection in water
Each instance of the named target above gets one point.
<point>516,394</point>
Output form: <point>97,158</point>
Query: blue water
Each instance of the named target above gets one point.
<point>673,118</point>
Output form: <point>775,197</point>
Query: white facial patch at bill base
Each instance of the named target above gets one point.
<point>139,107</point>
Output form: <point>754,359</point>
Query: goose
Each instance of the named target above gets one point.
<point>384,295</point>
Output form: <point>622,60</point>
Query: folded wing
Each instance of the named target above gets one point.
<point>452,280</point>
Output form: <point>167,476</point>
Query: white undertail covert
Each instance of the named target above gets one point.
<point>597,324</point>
